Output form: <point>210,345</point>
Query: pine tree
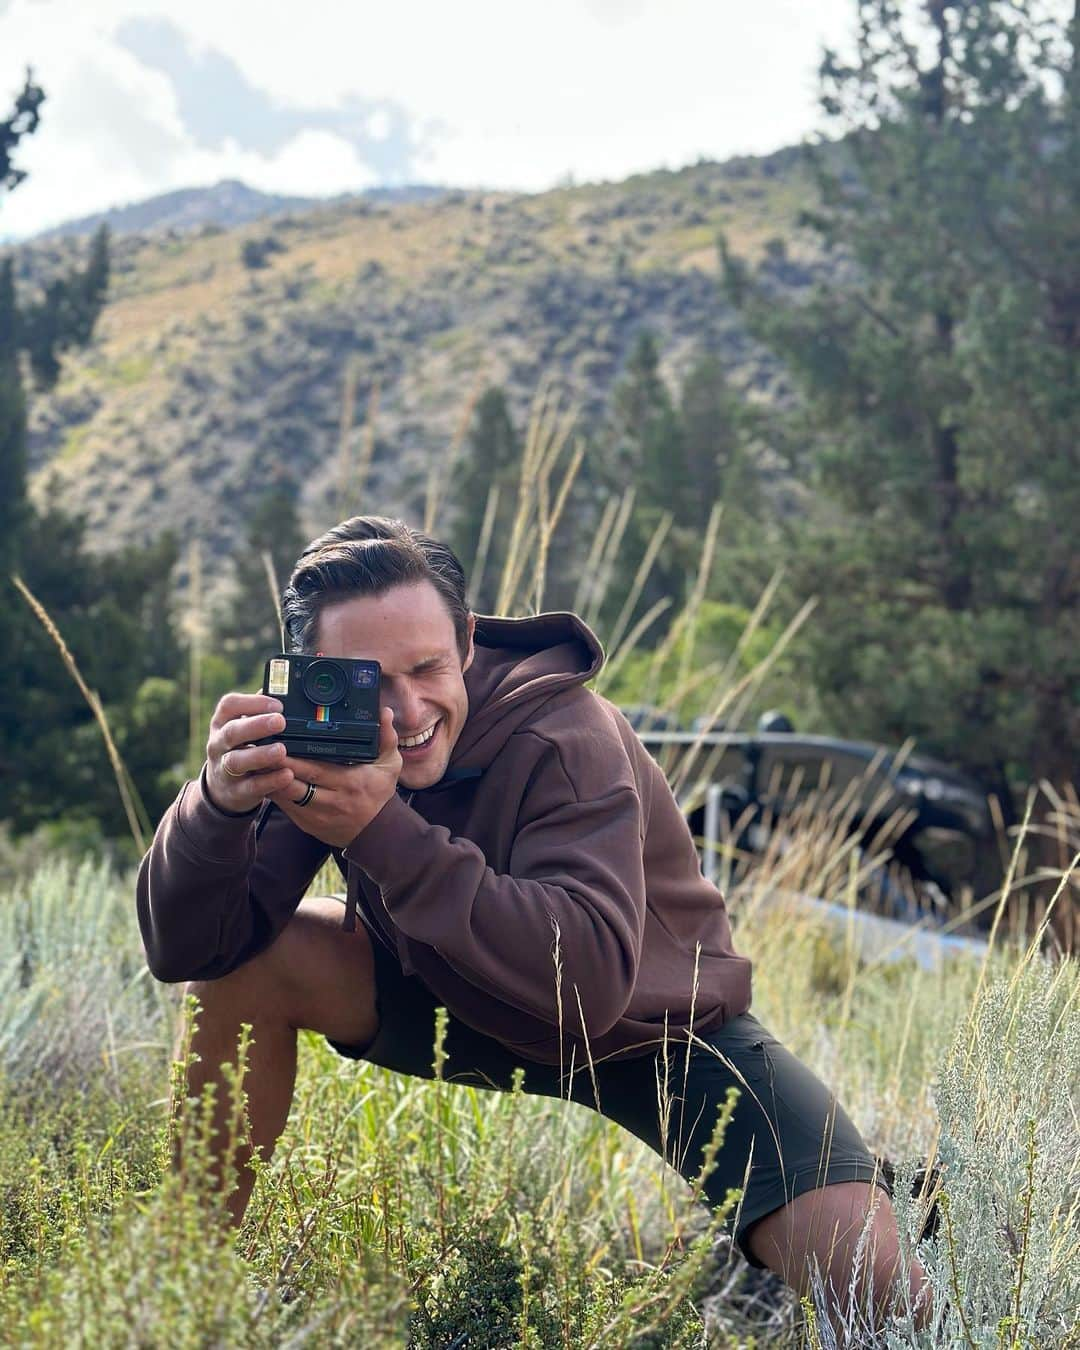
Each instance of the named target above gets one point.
<point>91,286</point>
<point>23,121</point>
<point>718,466</point>
<point>650,435</point>
<point>69,308</point>
<point>647,451</point>
<point>248,627</point>
<point>66,314</point>
<point>937,366</point>
<point>12,422</point>
<point>491,460</point>
<point>113,612</point>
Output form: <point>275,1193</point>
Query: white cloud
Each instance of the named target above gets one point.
<point>78,159</point>
<point>522,95</point>
<point>378,125</point>
<point>110,133</point>
<point>312,164</point>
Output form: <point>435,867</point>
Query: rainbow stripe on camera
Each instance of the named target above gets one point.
<point>322,713</point>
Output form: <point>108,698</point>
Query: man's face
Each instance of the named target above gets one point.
<point>408,630</point>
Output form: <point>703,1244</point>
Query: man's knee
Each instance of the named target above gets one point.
<point>825,1223</point>
<point>314,975</point>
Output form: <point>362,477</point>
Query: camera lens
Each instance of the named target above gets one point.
<point>325,682</point>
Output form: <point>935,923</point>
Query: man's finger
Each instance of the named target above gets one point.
<point>304,793</point>
<point>246,792</point>
<point>388,737</point>
<point>269,782</point>
<point>289,799</point>
<point>231,706</point>
<point>244,730</point>
<point>322,772</point>
<point>253,759</point>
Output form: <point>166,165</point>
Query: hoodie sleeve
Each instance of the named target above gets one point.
<point>575,870</point>
<point>214,888</point>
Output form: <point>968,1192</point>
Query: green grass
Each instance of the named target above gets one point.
<point>399,1212</point>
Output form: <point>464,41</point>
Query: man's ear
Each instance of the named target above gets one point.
<point>471,650</point>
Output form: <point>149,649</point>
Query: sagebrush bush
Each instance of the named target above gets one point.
<point>1008,1097</point>
<point>75,994</point>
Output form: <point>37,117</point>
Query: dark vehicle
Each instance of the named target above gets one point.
<point>741,787</point>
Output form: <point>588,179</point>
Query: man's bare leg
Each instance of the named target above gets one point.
<point>827,1223</point>
<point>315,976</point>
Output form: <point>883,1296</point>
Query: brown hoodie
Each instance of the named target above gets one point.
<point>549,879</point>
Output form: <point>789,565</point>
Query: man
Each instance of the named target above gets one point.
<point>517,857</point>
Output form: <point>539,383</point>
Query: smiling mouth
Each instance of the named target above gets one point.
<point>418,742</point>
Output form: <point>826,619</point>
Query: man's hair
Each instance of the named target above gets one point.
<point>367,555</point>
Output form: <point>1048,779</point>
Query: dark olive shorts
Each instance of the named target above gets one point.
<point>800,1135</point>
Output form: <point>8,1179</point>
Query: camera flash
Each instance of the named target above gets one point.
<point>278,682</point>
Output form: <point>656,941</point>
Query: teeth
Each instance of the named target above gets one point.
<point>408,742</point>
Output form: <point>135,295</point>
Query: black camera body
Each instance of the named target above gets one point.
<point>331,706</point>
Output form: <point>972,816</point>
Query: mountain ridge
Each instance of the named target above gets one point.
<point>226,204</point>
<point>208,376</point>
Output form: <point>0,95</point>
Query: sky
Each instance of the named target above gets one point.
<point>318,97</point>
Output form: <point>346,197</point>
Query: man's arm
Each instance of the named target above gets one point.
<point>215,888</point>
<point>576,866</point>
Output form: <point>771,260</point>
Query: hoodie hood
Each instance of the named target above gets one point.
<point>518,665</point>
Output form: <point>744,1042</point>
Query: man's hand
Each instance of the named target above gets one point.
<point>347,796</point>
<point>238,774</point>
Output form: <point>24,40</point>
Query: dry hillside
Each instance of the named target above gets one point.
<point>208,376</point>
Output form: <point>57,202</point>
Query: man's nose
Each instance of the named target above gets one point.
<point>407,707</point>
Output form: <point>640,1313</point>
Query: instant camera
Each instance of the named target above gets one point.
<point>331,706</point>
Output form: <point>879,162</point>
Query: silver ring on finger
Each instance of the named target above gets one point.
<point>309,795</point>
<point>230,772</point>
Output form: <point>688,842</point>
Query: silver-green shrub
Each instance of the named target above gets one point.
<point>1004,1264</point>
<point>1008,1255</point>
<point>75,993</point>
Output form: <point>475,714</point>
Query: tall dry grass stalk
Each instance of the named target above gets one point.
<point>345,426</point>
<point>1034,948</point>
<point>138,821</point>
<point>367,451</point>
<point>441,471</point>
<point>734,695</point>
<point>813,844</point>
<point>1010,877</point>
<point>1055,838</point>
<point>730,704</point>
<point>588,572</point>
<point>648,560</point>
<point>686,620</point>
<point>701,586</point>
<point>483,543</point>
<point>541,501</point>
<point>275,593</point>
<point>353,471</point>
<point>601,562</point>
